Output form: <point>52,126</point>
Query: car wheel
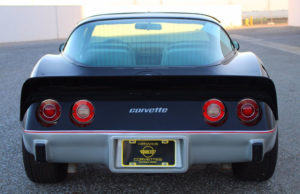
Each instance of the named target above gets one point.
<point>43,172</point>
<point>257,171</point>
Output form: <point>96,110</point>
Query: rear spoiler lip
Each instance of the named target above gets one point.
<point>32,87</point>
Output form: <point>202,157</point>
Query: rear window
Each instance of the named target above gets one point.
<point>148,43</point>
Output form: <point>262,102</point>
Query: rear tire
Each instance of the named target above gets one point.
<point>257,171</point>
<point>43,172</point>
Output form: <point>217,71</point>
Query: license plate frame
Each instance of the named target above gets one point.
<point>148,152</point>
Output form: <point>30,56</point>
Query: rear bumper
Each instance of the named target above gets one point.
<point>193,147</point>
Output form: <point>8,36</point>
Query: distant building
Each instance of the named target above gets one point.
<point>54,19</point>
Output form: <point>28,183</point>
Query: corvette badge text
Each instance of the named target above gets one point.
<point>148,110</point>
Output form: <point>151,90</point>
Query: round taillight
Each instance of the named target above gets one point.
<point>49,112</point>
<point>83,112</point>
<point>214,111</point>
<point>248,111</point>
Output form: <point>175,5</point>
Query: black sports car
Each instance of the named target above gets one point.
<point>149,93</point>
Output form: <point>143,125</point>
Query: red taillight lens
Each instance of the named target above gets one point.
<point>49,112</point>
<point>248,111</point>
<point>83,112</point>
<point>214,111</point>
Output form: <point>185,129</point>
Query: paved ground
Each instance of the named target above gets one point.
<point>277,51</point>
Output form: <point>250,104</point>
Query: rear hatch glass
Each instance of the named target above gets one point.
<point>148,43</point>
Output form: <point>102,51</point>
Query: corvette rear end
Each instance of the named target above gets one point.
<point>158,108</point>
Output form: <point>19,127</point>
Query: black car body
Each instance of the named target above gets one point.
<point>155,101</point>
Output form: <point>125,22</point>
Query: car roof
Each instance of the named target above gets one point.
<point>175,15</point>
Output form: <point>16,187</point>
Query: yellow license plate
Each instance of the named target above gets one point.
<point>148,153</point>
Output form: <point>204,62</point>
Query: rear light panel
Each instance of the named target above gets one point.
<point>214,112</point>
<point>49,112</point>
<point>248,111</point>
<point>83,112</point>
